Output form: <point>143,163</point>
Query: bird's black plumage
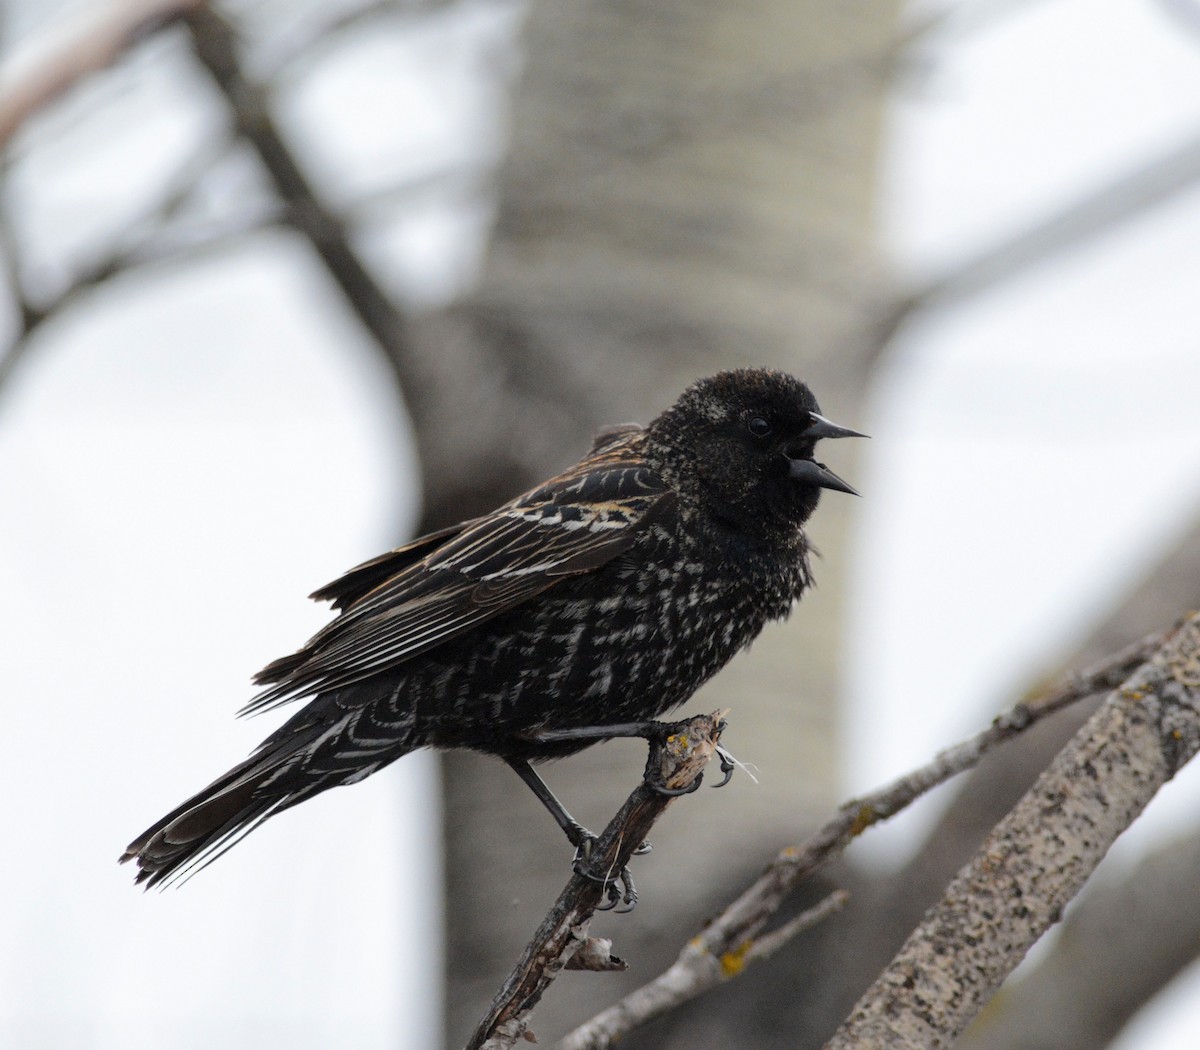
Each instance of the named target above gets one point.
<point>608,594</point>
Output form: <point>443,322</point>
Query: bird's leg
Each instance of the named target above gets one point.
<point>576,833</point>
<point>646,730</point>
<point>616,889</point>
<point>651,731</point>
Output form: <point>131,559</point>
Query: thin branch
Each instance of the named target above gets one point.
<point>216,46</point>
<point>142,244</point>
<point>91,48</point>
<point>676,762</point>
<point>308,45</point>
<point>1093,215</point>
<point>10,248</point>
<point>722,948</point>
<point>1037,858</point>
<point>679,983</point>
<point>457,181</point>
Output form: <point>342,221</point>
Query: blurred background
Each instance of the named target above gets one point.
<point>283,283</point>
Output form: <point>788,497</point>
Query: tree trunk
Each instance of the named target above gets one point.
<point>690,188</point>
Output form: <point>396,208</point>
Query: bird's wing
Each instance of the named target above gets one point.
<point>352,585</point>
<point>450,582</point>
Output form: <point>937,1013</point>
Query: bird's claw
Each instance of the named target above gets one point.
<point>618,889</point>
<point>727,767</point>
<point>660,788</point>
<point>621,889</point>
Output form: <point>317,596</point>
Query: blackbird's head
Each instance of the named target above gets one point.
<point>741,445</point>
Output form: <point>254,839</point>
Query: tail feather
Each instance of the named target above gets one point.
<point>199,830</point>
<point>332,741</point>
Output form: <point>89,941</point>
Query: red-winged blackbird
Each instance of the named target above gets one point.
<point>607,595</point>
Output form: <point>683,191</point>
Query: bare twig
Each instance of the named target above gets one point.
<point>1125,198</point>
<point>143,243</point>
<point>93,47</point>
<point>676,763</point>
<point>216,47</point>
<point>679,983</point>
<point>1038,857</point>
<point>721,950</point>
<point>307,46</point>
<point>463,183</point>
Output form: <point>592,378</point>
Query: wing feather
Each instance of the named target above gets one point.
<point>437,588</point>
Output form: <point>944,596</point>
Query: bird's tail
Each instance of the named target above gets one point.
<point>294,763</point>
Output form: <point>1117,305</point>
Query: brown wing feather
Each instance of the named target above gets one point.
<point>352,585</point>
<point>447,583</point>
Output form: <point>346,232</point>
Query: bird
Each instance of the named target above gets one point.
<point>598,600</point>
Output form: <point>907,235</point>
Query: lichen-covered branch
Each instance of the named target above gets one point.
<point>680,759</point>
<point>1076,998</point>
<point>1036,859</point>
<point>733,939</point>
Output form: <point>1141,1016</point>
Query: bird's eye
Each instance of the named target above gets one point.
<point>758,426</point>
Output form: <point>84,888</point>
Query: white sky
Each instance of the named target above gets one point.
<point>1032,452</point>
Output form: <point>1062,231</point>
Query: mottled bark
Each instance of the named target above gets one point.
<point>1036,860</point>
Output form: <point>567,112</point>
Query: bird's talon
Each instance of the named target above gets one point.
<point>662,789</point>
<point>643,848</point>
<point>727,768</point>
<point>629,895</point>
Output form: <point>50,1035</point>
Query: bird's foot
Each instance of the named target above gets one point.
<point>657,733</point>
<point>659,788</point>
<point>618,888</point>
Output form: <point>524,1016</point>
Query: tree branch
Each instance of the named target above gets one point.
<point>141,244</point>
<point>216,47</point>
<point>1076,998</point>
<point>93,47</point>
<point>1123,199</point>
<point>1038,857</point>
<point>724,947</point>
<point>676,762</point>
<point>308,46</point>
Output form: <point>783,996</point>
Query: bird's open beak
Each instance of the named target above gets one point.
<point>809,471</point>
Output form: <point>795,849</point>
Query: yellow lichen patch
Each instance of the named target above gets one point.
<point>734,961</point>
<point>863,819</point>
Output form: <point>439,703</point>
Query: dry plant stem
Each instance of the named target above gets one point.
<point>723,948</point>
<point>676,763</point>
<point>1036,859</point>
